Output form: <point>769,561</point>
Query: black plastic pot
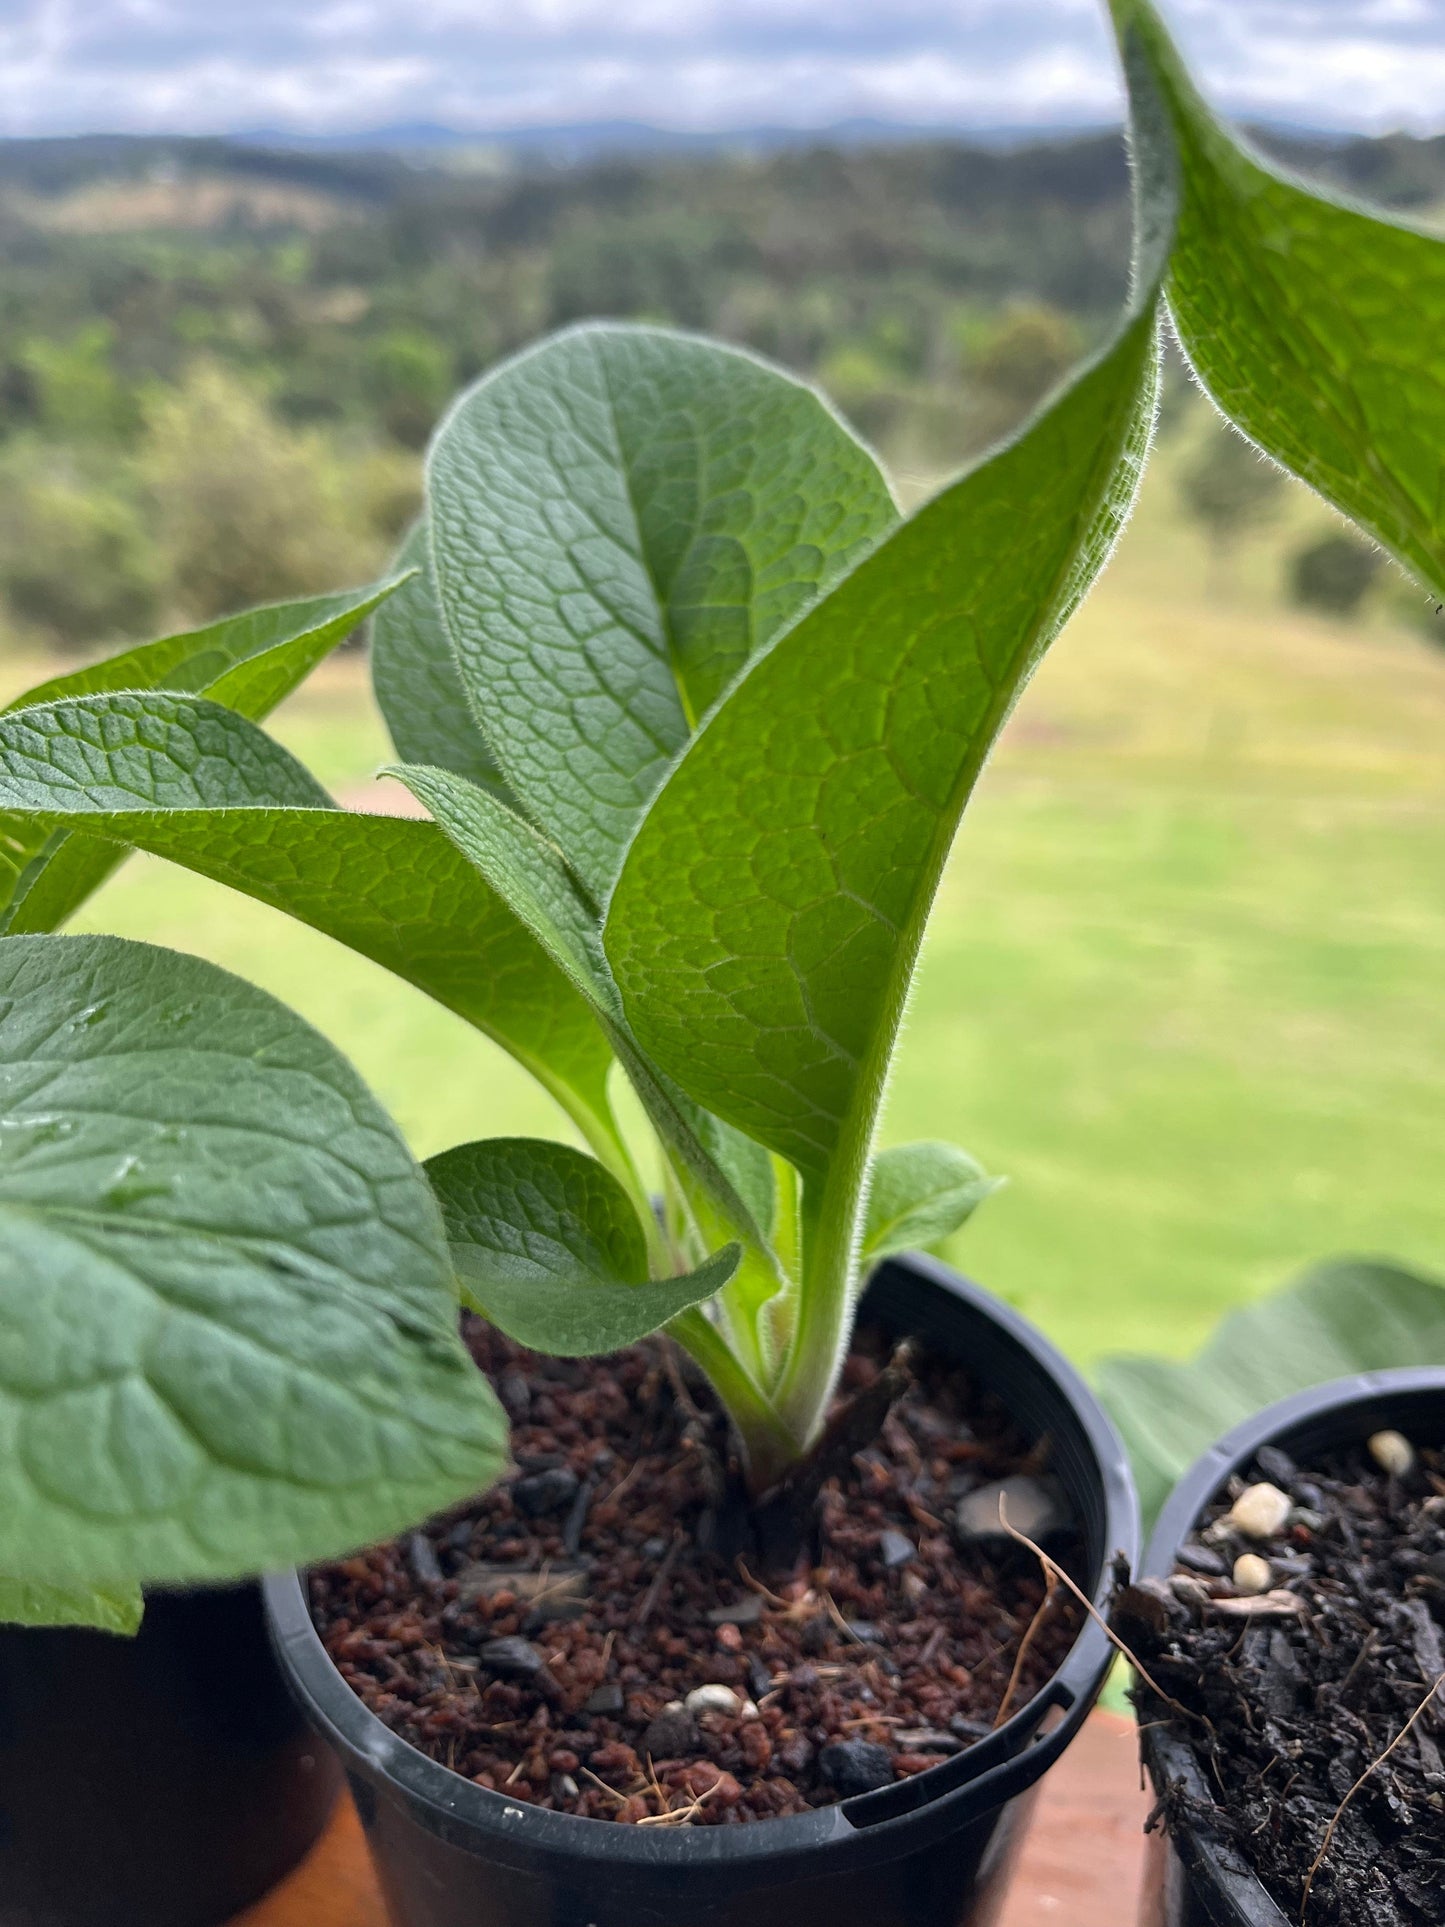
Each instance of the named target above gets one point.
<point>1193,1876</point>
<point>162,1781</point>
<point>934,1851</point>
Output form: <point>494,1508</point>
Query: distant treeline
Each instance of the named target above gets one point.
<point>217,361</point>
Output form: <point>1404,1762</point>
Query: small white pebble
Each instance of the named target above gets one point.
<point>1259,1512</point>
<point>1392,1452</point>
<point>713,1699</point>
<point>1252,1574</point>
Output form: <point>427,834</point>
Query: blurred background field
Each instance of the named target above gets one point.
<point>1183,979</point>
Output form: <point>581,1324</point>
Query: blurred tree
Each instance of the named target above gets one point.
<point>1014,363</point>
<point>246,508</point>
<point>1332,574</point>
<point>78,394</point>
<point>1228,486</point>
<point>863,386</point>
<point>409,376</point>
<point>77,564</point>
<point>1030,347</point>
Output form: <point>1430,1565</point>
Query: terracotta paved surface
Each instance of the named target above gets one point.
<point>1080,1864</point>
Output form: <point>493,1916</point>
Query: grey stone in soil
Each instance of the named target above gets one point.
<point>512,1658</point>
<point>653,1549</point>
<point>1035,1506</point>
<point>673,1735</point>
<point>605,1701</point>
<point>865,1632</point>
<point>515,1394</point>
<point>1202,1559</point>
<point>539,1493</point>
<point>760,1680</point>
<point>421,1557</point>
<point>576,1520</point>
<point>895,1549</point>
<point>1277,1466</point>
<point>856,1766</point>
<point>969,1729</point>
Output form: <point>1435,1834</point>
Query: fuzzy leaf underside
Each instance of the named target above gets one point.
<point>547,1246</point>
<point>414,674</point>
<point>248,663</point>
<point>767,918</point>
<point>919,1193</point>
<point>238,808</point>
<point>1315,326</point>
<point>619,518</point>
<point>227,1320</point>
<point>1351,1315</point>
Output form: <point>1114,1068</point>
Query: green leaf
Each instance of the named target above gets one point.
<point>547,1246</point>
<point>1314,325</point>
<point>919,1193</point>
<point>526,869</point>
<point>199,659</point>
<point>247,662</point>
<point>531,875</point>
<point>103,755</point>
<point>765,926</point>
<point>1351,1315</point>
<point>227,1324</point>
<point>619,518</point>
<point>241,810</point>
<point>418,687</point>
<point>117,1608</point>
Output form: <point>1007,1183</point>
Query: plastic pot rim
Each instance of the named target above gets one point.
<point>1005,1763</point>
<point>1208,1856</point>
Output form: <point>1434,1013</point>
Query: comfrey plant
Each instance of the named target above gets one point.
<point>695,715</point>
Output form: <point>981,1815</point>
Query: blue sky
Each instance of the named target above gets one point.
<point>326,66</point>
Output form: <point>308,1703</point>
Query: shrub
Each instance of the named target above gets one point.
<point>1333,574</point>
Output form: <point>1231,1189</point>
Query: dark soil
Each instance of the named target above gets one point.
<point>539,1640</point>
<point>1293,1698</point>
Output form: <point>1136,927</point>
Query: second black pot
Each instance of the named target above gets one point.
<point>934,1851</point>
<point>1193,1876</point>
<point>160,1781</point>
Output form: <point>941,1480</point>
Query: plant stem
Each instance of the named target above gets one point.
<point>824,1306</point>
<point>768,1444</point>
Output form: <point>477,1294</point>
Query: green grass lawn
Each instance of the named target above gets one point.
<point>1184,978</point>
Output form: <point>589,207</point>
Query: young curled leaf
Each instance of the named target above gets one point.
<point>547,1246</point>
<point>919,1193</point>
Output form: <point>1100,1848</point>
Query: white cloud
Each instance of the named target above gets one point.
<point>194,65</point>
